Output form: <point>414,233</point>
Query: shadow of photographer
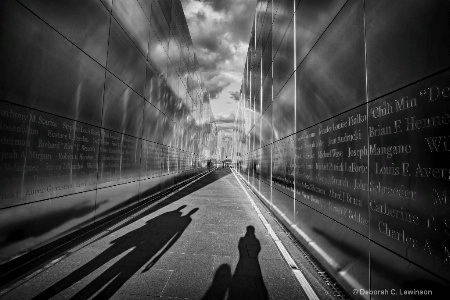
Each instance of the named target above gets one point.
<point>247,281</point>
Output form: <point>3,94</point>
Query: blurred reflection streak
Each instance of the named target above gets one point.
<point>132,18</point>
<point>312,18</point>
<point>332,81</point>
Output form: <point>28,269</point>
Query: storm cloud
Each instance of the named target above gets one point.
<point>220,31</point>
<point>235,95</point>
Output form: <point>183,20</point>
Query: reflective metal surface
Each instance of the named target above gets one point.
<point>89,17</point>
<point>283,66</point>
<point>331,79</point>
<point>151,159</point>
<point>390,272</point>
<point>81,85</point>
<point>44,156</point>
<point>283,114</point>
<point>155,88</point>
<point>266,127</point>
<point>170,103</point>
<point>56,218</point>
<point>160,21</point>
<point>281,20</point>
<point>283,157</point>
<point>311,19</point>
<point>357,136</point>
<point>116,197</point>
<point>124,59</point>
<point>123,108</point>
<point>267,58</point>
<point>169,131</point>
<point>409,172</point>
<point>135,23</point>
<point>345,248</point>
<point>265,164</point>
<point>332,169</point>
<point>405,42</point>
<point>156,53</point>
<point>153,124</point>
<point>107,4</point>
<point>83,127</point>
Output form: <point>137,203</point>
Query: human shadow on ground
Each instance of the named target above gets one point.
<point>247,281</point>
<point>147,244</point>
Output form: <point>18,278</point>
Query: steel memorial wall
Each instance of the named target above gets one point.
<point>343,129</point>
<point>101,106</point>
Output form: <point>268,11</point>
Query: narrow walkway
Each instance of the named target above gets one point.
<point>204,242</point>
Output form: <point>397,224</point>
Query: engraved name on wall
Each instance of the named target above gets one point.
<point>409,183</point>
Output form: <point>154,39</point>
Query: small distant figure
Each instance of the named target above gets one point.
<point>223,162</point>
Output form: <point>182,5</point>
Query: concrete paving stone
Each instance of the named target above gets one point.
<point>242,222</point>
<point>209,220</point>
<point>230,261</point>
<point>212,201</point>
<point>184,284</point>
<point>119,296</point>
<point>226,219</point>
<point>119,279</point>
<point>282,289</point>
<point>107,241</point>
<point>54,274</point>
<point>191,232</point>
<point>179,246</point>
<point>149,283</point>
<point>73,290</point>
<point>275,268</point>
<point>206,203</point>
<point>23,292</point>
<point>229,238</point>
<point>270,252</point>
<point>107,254</point>
<point>179,261</point>
<point>202,247</point>
<point>245,287</point>
<point>62,281</point>
<point>248,267</point>
<point>266,239</point>
<point>227,249</point>
<point>140,297</point>
<point>200,235</point>
<point>89,241</point>
<point>169,261</point>
<point>221,228</point>
<point>227,208</point>
<point>260,231</point>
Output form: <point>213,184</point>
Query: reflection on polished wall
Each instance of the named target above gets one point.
<point>101,106</point>
<point>342,128</point>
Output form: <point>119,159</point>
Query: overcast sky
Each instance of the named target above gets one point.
<point>220,31</point>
